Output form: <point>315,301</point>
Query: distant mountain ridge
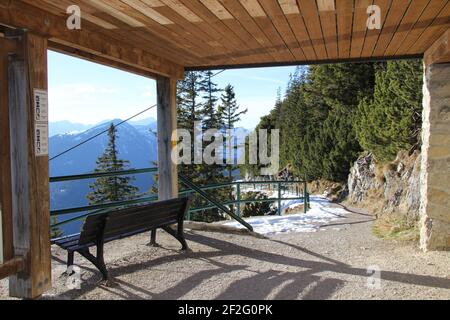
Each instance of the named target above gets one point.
<point>137,144</point>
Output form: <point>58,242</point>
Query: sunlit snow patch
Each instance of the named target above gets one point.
<point>322,212</point>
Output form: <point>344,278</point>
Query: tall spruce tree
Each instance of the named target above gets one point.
<point>230,114</point>
<point>391,120</point>
<point>197,102</point>
<point>112,189</point>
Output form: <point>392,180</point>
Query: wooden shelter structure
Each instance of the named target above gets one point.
<point>160,39</point>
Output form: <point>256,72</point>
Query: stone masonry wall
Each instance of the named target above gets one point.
<point>435,173</point>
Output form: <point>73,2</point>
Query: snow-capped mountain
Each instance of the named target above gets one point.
<point>135,144</point>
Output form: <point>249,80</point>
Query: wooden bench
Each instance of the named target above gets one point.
<point>114,225</point>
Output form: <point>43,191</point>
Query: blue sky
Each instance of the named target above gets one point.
<point>88,93</point>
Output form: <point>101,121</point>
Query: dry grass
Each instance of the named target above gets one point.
<point>394,227</point>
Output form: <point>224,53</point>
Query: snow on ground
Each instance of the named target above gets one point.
<point>322,212</point>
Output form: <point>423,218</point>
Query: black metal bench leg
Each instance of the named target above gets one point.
<point>70,258</point>
<point>179,236</point>
<point>98,261</point>
<point>101,262</point>
<point>153,242</point>
<point>183,242</point>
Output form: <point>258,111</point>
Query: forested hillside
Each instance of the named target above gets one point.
<point>330,114</point>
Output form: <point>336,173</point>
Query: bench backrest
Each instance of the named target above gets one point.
<point>116,224</point>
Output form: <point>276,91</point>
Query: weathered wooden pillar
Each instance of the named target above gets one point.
<point>167,123</point>
<point>27,78</point>
<point>6,240</point>
<point>435,175</point>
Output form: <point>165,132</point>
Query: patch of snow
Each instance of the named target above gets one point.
<point>322,212</point>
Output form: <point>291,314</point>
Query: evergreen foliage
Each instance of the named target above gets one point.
<point>332,113</point>
<point>112,189</point>
<point>391,120</point>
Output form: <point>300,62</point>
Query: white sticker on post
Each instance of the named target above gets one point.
<point>41,122</point>
<point>40,106</point>
<point>41,139</point>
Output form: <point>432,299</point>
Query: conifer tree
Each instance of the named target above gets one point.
<point>112,189</point>
<point>230,114</point>
<point>391,120</point>
<point>210,113</point>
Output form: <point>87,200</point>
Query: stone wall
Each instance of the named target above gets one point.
<point>435,173</point>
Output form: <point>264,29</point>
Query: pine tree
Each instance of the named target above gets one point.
<point>112,189</point>
<point>211,116</point>
<point>230,113</point>
<point>391,120</point>
<point>197,101</point>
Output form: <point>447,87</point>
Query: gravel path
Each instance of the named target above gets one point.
<point>329,264</point>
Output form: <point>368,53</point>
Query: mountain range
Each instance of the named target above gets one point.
<point>135,143</point>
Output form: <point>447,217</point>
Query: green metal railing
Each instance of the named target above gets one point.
<point>191,188</point>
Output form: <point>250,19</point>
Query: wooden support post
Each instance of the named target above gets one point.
<point>6,238</point>
<point>167,123</point>
<point>30,178</point>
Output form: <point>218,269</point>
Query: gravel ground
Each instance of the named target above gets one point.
<point>330,264</point>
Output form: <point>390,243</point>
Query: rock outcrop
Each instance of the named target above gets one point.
<point>391,189</point>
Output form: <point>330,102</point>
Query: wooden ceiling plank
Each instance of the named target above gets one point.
<point>242,16</point>
<point>22,15</point>
<point>432,10</point>
<point>200,31</point>
<point>308,10</point>
<point>373,36</point>
<point>188,39</point>
<point>359,27</point>
<point>413,14</point>
<point>118,14</point>
<point>390,25</point>
<point>124,31</point>
<point>328,21</point>
<point>265,24</point>
<point>439,52</point>
<point>295,20</point>
<point>216,9</point>
<point>439,25</point>
<point>246,51</point>
<point>344,10</point>
<point>283,28</point>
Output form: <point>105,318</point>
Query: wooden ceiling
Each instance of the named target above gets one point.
<point>200,34</point>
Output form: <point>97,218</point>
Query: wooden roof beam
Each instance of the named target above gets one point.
<point>86,42</point>
<point>439,52</point>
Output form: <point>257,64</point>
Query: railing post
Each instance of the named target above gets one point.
<point>238,196</point>
<point>305,197</point>
<point>279,198</point>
